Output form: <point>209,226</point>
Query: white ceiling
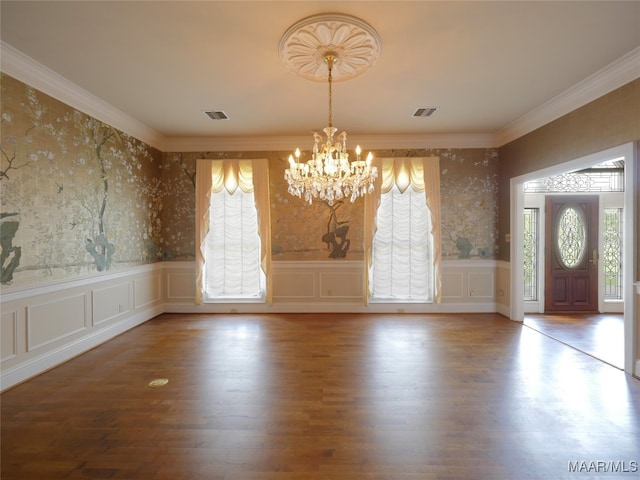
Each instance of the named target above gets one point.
<point>486,65</point>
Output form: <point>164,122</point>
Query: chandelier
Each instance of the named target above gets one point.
<point>330,175</point>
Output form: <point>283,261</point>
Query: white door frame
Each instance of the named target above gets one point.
<point>517,231</point>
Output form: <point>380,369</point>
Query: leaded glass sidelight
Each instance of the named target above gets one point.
<point>531,254</point>
<point>612,253</point>
<point>571,237</point>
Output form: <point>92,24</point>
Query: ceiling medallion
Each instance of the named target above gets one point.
<point>304,46</point>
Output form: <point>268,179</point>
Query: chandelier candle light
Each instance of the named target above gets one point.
<point>330,175</point>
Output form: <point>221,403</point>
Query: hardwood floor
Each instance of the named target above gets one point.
<point>598,335</point>
<point>335,396</point>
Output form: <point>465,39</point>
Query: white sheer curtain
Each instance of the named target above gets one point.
<point>233,254</point>
<point>402,231</point>
<point>232,247</point>
<point>403,248</point>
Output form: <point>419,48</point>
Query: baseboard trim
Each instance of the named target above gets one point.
<point>51,359</point>
<point>244,308</point>
<point>503,310</point>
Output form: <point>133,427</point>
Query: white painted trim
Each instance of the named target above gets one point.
<point>11,316</point>
<point>516,249</point>
<point>21,67</point>
<point>10,294</point>
<point>351,305</point>
<point>399,308</point>
<point>30,368</point>
<point>289,143</point>
<point>624,70</point>
<point>27,70</point>
<point>629,254</point>
<point>502,310</point>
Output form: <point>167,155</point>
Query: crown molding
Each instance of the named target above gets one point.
<point>21,67</point>
<point>624,70</point>
<point>289,143</point>
<point>27,70</point>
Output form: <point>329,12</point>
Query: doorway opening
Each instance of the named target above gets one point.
<point>614,307</point>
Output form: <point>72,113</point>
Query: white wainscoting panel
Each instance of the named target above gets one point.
<point>453,286</point>
<point>8,335</point>
<point>481,284</point>
<point>341,286</point>
<point>47,325</point>
<point>181,285</point>
<point>338,286</point>
<point>147,291</point>
<point>291,285</point>
<point>111,302</point>
<point>469,285</point>
<point>54,320</point>
<point>318,282</point>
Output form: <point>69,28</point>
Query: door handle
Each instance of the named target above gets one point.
<point>594,257</point>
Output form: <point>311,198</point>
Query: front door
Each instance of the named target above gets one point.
<point>571,253</point>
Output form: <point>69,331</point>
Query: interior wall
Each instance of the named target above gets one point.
<point>469,206</point>
<point>611,120</point>
<point>81,198</point>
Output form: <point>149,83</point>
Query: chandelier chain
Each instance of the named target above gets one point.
<point>330,59</point>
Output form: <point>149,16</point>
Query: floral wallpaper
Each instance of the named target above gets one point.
<point>469,202</point>
<point>469,206</point>
<point>297,229</point>
<point>79,197</point>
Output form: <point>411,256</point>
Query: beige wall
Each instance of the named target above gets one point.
<point>609,121</point>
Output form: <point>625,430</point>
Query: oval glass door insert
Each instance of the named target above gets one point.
<point>571,237</point>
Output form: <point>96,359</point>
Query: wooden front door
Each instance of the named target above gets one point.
<point>571,253</point>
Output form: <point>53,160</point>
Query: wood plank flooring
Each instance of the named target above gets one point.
<point>598,335</point>
<point>335,396</point>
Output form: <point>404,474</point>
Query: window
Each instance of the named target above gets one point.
<point>403,247</point>
<point>233,230</point>
<point>612,253</point>
<point>571,237</point>
<point>232,248</point>
<point>531,222</point>
<point>402,224</point>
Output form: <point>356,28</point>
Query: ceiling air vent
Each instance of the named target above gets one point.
<point>424,111</point>
<point>216,115</point>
